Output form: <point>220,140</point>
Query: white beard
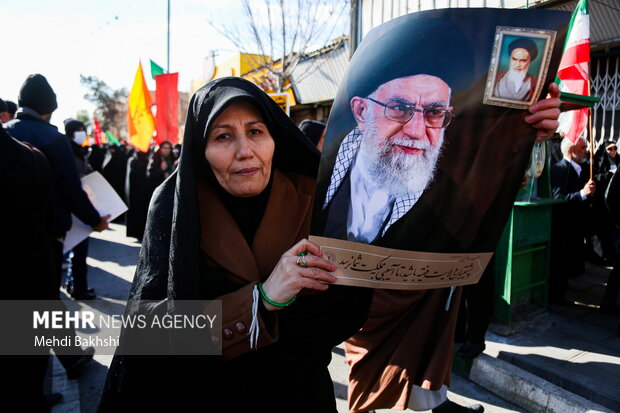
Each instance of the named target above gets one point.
<point>397,172</point>
<point>516,78</point>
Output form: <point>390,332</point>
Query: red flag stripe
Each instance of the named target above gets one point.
<point>575,55</point>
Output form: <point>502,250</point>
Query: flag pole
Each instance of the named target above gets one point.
<point>168,34</point>
<point>591,143</point>
<point>590,126</point>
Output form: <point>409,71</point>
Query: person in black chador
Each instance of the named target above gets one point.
<point>161,165</point>
<point>138,194</point>
<point>96,156</point>
<point>114,169</point>
<point>315,131</point>
<point>176,152</point>
<point>230,224</point>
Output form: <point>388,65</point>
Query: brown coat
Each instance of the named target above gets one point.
<point>223,245</point>
<point>407,340</point>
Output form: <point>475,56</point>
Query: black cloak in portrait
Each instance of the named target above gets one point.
<point>288,375</point>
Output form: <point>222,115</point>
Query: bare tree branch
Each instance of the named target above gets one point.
<point>109,103</point>
<point>286,29</point>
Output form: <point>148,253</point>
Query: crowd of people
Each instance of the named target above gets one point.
<point>133,174</point>
<point>230,224</point>
<point>42,168</point>
<point>45,190</point>
<point>587,226</point>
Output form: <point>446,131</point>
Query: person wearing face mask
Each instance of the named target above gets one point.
<point>76,132</point>
<point>77,287</point>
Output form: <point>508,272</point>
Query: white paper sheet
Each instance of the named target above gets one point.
<point>106,201</point>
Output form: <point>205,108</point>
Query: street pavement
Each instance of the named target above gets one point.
<point>111,265</point>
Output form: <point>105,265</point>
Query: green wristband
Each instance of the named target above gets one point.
<point>273,303</point>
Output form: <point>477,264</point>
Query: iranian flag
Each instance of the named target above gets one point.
<point>574,73</point>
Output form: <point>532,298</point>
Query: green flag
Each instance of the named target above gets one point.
<point>156,69</point>
<point>112,139</point>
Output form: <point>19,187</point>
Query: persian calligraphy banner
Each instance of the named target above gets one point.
<point>426,144</point>
<point>375,267</point>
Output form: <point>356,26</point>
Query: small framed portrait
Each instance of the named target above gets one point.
<point>519,65</point>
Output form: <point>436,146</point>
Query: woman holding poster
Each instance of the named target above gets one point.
<point>230,224</point>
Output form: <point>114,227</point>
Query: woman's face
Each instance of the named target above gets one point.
<point>165,150</point>
<point>240,150</point>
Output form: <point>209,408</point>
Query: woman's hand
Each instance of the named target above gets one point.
<point>163,165</point>
<point>544,114</point>
<point>288,277</point>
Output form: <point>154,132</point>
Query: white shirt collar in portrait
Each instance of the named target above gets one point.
<point>370,205</point>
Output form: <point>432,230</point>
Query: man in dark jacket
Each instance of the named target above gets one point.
<point>26,179</point>
<point>37,101</point>
<point>570,182</point>
<point>606,161</point>
<point>77,283</point>
<point>611,298</point>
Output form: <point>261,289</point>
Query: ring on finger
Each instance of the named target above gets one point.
<point>301,261</point>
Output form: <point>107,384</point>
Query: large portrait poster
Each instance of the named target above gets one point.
<point>426,146</point>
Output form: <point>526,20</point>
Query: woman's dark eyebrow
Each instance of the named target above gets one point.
<point>225,126</point>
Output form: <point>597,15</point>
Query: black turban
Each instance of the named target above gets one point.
<point>524,43</point>
<point>437,48</point>
<point>37,94</point>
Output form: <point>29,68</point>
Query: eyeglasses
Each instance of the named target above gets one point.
<point>434,117</point>
<point>612,149</point>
